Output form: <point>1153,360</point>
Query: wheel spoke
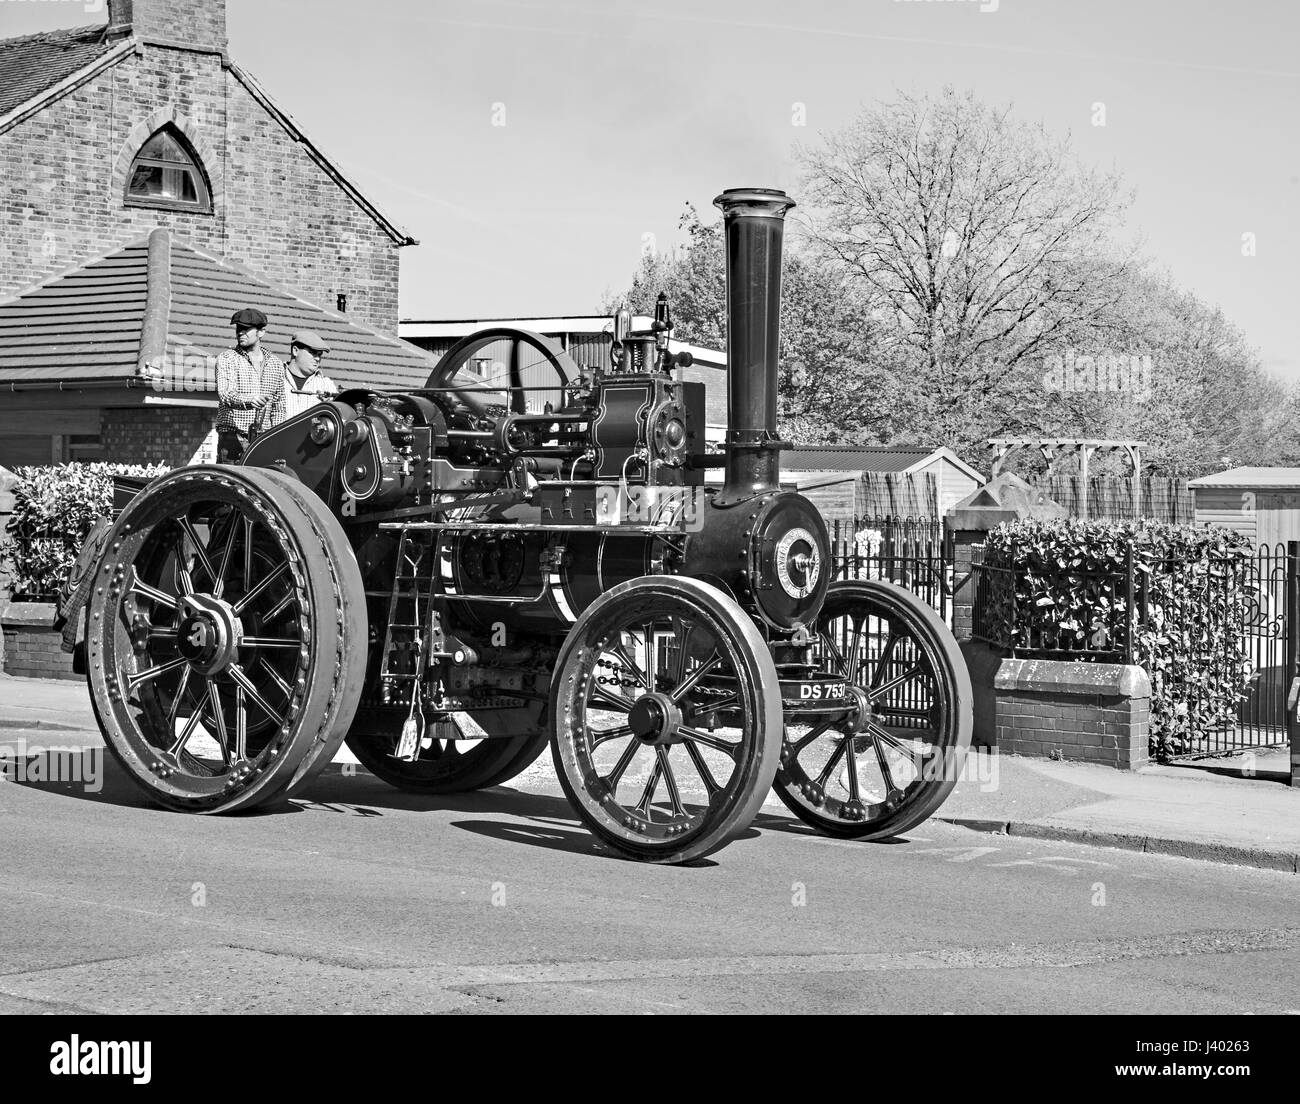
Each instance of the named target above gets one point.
<point>709,740</point>
<point>855,650</point>
<point>241,725</point>
<point>200,551</point>
<point>176,702</point>
<point>886,654</point>
<point>917,712</point>
<point>810,736</point>
<point>706,776</point>
<point>893,741</point>
<point>152,673</point>
<point>248,552</point>
<point>620,651</point>
<point>275,677</point>
<point>219,721</point>
<point>729,702</point>
<point>836,755</point>
<point>188,730</point>
<point>604,736</point>
<point>693,679</point>
<point>257,591</point>
<point>139,586</point>
<point>270,642</point>
<point>254,695</point>
<point>851,762</point>
<point>682,630</point>
<point>885,773</point>
<point>224,563</point>
<point>837,657</point>
<point>280,606</point>
<point>670,781</point>
<point>652,784</point>
<point>612,778</point>
<point>610,700</point>
<point>895,682</point>
<point>651,656</point>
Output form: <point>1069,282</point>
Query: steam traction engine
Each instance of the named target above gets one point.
<point>526,551</point>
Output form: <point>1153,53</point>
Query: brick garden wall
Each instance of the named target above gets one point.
<point>63,172</point>
<point>32,649</point>
<point>1090,712</point>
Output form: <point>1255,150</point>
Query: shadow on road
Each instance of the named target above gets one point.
<point>92,775</point>
<point>85,774</point>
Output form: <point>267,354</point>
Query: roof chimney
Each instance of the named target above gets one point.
<point>196,23</point>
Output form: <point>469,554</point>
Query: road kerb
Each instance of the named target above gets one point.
<point>1204,851</point>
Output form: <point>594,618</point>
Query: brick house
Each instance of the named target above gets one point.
<point>108,133</point>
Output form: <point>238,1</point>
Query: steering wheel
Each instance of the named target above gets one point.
<point>504,366</point>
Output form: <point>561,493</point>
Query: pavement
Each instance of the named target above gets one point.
<point>1237,810</point>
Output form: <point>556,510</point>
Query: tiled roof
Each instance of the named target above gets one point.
<point>1251,477</point>
<point>857,458</point>
<point>86,325</point>
<point>33,63</point>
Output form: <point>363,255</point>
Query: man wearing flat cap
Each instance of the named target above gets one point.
<point>305,384</point>
<point>250,387</point>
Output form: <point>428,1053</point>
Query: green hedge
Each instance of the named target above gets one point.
<point>54,509</point>
<point>1192,595</point>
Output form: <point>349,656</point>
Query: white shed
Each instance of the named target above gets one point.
<point>1263,503</point>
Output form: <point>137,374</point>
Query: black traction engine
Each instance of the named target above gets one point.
<point>526,551</point>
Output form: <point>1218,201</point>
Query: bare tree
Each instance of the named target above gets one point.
<point>980,239</point>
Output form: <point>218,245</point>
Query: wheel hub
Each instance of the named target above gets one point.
<point>859,715</point>
<point>654,719</point>
<point>209,633</point>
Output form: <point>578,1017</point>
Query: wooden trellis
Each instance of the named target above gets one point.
<point>1052,448</point>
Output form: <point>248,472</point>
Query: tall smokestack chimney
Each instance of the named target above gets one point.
<point>754,219</point>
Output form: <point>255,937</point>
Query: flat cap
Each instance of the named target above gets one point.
<point>249,316</point>
<point>309,339</point>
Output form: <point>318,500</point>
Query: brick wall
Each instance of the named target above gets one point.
<point>199,23</point>
<point>32,649</point>
<point>63,171</point>
<point>1090,712</point>
<point>964,543</point>
<point>159,435</point>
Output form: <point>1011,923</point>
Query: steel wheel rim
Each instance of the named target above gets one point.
<point>600,746</point>
<point>149,686</point>
<point>823,761</point>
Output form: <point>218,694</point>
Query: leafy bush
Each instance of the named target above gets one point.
<point>1187,612</point>
<point>54,509</point>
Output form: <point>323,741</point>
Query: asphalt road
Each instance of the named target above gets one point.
<point>363,899</point>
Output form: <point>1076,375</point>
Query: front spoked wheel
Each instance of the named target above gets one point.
<point>889,763</point>
<point>666,719</point>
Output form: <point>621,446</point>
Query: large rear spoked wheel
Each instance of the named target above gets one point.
<point>888,764</point>
<point>222,653</point>
<point>666,719</point>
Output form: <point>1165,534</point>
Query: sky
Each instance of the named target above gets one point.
<point>617,114</point>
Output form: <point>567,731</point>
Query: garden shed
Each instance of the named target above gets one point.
<point>1262,503</point>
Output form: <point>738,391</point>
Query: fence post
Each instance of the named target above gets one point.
<point>1130,600</point>
<point>1292,652</point>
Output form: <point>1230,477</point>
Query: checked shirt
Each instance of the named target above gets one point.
<point>239,387</point>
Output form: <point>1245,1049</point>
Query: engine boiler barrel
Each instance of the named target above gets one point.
<point>754,219</point>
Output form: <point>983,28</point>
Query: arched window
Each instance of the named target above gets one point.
<point>166,173</point>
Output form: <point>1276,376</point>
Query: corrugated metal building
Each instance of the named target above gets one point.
<point>1263,503</point>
